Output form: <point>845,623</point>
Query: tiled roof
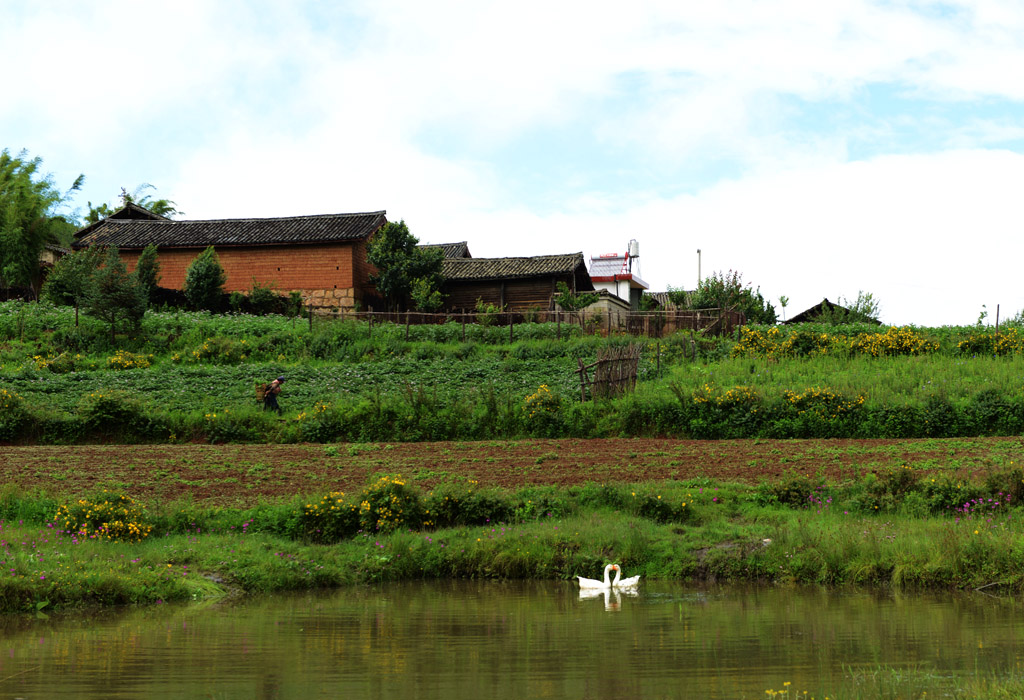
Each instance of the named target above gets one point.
<point>509,268</point>
<point>450,250</point>
<point>323,228</point>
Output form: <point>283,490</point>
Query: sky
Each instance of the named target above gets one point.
<point>819,149</point>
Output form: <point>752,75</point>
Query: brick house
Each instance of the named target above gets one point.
<point>321,256</point>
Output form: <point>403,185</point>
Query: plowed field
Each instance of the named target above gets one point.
<point>240,474</point>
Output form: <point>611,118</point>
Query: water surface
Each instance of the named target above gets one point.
<point>507,640</point>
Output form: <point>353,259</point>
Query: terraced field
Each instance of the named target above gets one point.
<point>243,474</point>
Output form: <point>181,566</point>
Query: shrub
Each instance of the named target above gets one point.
<point>113,413</point>
<point>653,507</point>
<point>389,504</point>
<point>217,350</point>
<point>463,503</point>
<point>13,415</point>
<point>118,518</point>
<point>127,360</point>
<point>329,520</point>
<point>204,280</point>
<point>793,491</point>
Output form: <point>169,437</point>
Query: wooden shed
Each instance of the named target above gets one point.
<point>513,284</point>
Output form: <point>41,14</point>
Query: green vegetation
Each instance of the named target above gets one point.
<point>406,275</point>
<point>192,376</point>
<point>897,529</point>
<point>29,218</point>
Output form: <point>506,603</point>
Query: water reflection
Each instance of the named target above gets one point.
<point>612,596</point>
<point>505,640</point>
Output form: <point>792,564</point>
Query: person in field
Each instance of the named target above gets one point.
<point>270,396</point>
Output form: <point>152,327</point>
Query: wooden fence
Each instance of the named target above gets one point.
<point>615,372</point>
<point>651,324</point>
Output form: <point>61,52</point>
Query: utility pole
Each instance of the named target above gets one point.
<point>698,267</point>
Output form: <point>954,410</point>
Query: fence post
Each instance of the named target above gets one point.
<point>511,317</point>
<point>370,316</point>
<point>310,318</point>
<point>407,326</point>
<point>558,324</point>
<point>463,326</point>
<point>659,358</point>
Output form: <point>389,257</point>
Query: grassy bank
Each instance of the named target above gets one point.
<point>896,530</point>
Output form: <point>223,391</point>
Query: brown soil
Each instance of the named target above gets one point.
<point>243,474</point>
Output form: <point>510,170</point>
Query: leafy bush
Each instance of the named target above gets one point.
<point>794,491</point>
<point>661,510</point>
<point>464,503</point>
<point>114,414</point>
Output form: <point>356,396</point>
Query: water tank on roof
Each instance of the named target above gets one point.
<point>634,249</point>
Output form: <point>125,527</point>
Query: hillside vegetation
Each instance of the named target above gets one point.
<point>192,377</point>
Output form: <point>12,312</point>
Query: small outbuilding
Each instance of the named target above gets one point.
<point>512,284</point>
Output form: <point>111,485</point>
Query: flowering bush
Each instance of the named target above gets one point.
<point>62,363</point>
<point>542,402</point>
<point>389,504</point>
<point>895,341</point>
<point>329,520</point>
<point>217,351</point>
<point>118,518</point>
<point>1008,342</point>
<point>824,402</point>
<point>128,360</point>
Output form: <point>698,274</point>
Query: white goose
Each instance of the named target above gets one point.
<point>594,583</point>
<point>619,582</point>
<point>630,582</point>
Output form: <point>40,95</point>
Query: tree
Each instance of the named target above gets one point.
<point>572,302</point>
<point>147,271</point>
<point>403,267</point>
<point>28,218</point>
<point>161,207</point>
<point>727,291</point>
<point>204,280</point>
<point>72,277</point>
<point>114,294</point>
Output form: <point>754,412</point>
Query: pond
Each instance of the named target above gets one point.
<point>517,640</point>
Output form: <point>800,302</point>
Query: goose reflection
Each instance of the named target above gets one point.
<point>612,596</point>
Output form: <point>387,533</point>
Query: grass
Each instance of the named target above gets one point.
<point>852,533</point>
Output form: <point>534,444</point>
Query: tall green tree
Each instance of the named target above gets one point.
<point>204,280</point>
<point>405,272</point>
<point>722,290</point>
<point>29,218</point>
<point>147,271</point>
<point>115,295</point>
<point>71,279</point>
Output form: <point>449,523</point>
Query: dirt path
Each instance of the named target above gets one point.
<point>239,474</point>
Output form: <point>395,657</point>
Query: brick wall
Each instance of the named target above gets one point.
<point>331,275</point>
